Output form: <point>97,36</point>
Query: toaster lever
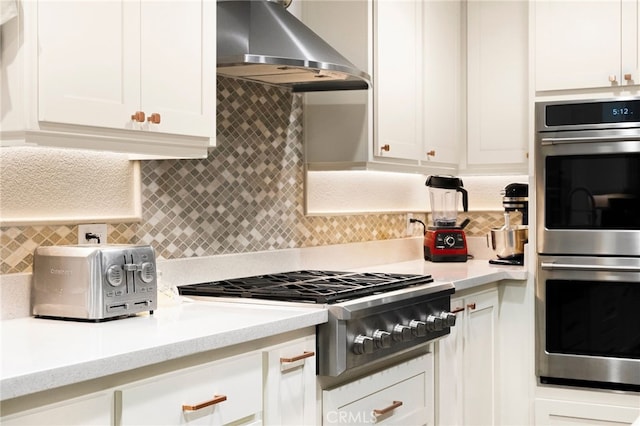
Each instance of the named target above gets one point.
<point>129,267</point>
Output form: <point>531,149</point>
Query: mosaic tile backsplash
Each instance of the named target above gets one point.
<point>246,196</point>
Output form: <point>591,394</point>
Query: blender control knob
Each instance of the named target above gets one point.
<point>381,339</point>
<point>434,323</point>
<point>363,345</point>
<point>449,241</point>
<point>401,333</point>
<point>448,318</point>
<point>419,328</point>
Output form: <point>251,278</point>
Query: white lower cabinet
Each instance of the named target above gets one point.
<point>559,412</point>
<point>87,410</point>
<point>400,395</point>
<point>221,392</point>
<point>466,362</point>
<point>290,383</point>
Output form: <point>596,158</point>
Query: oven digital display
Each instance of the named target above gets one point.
<point>593,113</point>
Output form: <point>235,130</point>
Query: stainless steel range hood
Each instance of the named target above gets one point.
<point>259,40</point>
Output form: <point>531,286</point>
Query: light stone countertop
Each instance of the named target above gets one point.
<point>40,354</point>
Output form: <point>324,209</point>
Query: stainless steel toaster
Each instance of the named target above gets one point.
<point>94,282</point>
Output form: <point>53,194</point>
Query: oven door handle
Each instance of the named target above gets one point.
<point>554,141</point>
<point>569,266</point>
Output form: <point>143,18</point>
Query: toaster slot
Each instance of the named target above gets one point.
<point>118,307</point>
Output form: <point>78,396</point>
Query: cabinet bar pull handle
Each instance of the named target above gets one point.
<point>305,354</point>
<point>154,118</point>
<point>456,310</point>
<point>392,407</point>
<point>471,306</point>
<point>216,400</point>
<point>138,116</point>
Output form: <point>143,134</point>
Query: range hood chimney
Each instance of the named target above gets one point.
<point>258,40</point>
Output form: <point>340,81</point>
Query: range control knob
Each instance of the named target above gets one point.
<point>418,328</point>
<point>147,272</point>
<point>448,318</point>
<point>401,333</point>
<point>114,275</point>
<point>434,323</point>
<point>382,339</point>
<point>363,345</point>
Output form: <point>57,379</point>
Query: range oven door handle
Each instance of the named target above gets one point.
<point>573,267</point>
<point>554,141</point>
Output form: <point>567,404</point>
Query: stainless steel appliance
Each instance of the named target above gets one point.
<point>587,156</point>
<point>258,40</point>
<point>94,282</point>
<point>444,241</point>
<point>373,317</point>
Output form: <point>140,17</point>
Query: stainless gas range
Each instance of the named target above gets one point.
<point>372,316</point>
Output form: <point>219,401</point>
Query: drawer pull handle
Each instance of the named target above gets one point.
<point>456,310</point>
<point>392,407</point>
<point>385,147</point>
<point>471,306</point>
<point>305,354</point>
<point>216,400</point>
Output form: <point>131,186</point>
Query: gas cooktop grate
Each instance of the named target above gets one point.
<point>307,286</point>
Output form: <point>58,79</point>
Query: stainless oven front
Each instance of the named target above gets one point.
<point>587,171</point>
<point>588,321</point>
<point>588,177</point>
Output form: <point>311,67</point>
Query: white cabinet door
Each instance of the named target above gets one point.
<point>89,62</point>
<point>585,44</point>
<point>443,95</point>
<point>398,79</point>
<point>466,363</point>
<point>94,409</point>
<point>290,383</point>
<point>102,61</point>
<point>497,83</point>
<point>177,56</point>
<point>550,412</point>
<point>221,392</point>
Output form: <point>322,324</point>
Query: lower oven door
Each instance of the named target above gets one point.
<point>588,321</point>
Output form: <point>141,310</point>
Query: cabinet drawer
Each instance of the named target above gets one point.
<point>221,392</point>
<point>401,395</point>
<point>402,403</point>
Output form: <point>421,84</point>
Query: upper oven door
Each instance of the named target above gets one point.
<point>588,189</point>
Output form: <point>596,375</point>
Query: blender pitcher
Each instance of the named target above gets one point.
<point>443,195</point>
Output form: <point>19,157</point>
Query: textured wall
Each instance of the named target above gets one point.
<point>47,185</point>
<point>246,196</point>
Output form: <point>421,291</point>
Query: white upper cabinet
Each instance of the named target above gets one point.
<point>398,78</point>
<point>497,84</point>
<point>115,75</point>
<point>443,82</point>
<point>586,44</point>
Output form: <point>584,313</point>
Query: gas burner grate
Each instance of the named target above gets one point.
<point>307,286</point>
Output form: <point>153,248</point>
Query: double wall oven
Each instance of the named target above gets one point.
<point>587,156</point>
